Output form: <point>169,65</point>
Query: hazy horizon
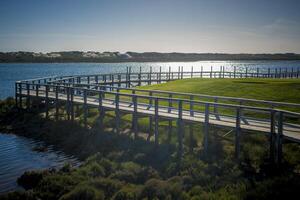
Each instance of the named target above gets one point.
<point>191,26</point>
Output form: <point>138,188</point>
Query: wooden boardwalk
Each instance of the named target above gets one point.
<point>115,94</point>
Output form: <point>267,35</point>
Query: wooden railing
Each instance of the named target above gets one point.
<point>100,92</point>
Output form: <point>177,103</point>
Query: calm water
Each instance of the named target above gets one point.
<point>9,73</point>
<point>17,156</point>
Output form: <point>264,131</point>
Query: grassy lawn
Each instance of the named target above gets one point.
<point>285,90</point>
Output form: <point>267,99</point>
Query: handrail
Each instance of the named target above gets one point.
<point>172,99</point>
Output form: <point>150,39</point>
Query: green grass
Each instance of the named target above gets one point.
<point>283,90</point>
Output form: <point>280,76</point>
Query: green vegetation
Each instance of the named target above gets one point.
<point>118,167</point>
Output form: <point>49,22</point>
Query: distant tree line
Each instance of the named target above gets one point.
<point>91,56</point>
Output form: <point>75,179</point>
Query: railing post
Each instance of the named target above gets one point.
<point>101,109</point>
<point>68,102</point>
<point>16,94</point>
<point>170,128</point>
<point>178,72</point>
<point>279,138</point>
<point>237,132</point>
<point>206,129</point>
<point>201,73</point>
<point>28,96</point>
<point>135,118</point>
<point>140,76</point>
<point>47,101</point>
<point>192,71</point>
<point>119,80</point>
<point>160,74</point>
<point>192,105</point>
<point>211,70</point>
<point>246,72</point>
<point>72,103</point>
<point>170,102</point>
<point>20,95</point>
<point>216,108</point>
<point>150,75</point>
<point>180,129</point>
<point>117,112</point>
<point>181,72</point>
<point>85,107</point>
<point>257,72</point>
<point>169,73</point>
<point>234,72</point>
<point>156,122</point>
<point>56,103</point>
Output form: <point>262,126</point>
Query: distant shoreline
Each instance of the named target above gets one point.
<point>58,62</point>
<point>130,57</point>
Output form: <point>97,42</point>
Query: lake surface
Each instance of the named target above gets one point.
<point>9,73</point>
<point>17,156</point>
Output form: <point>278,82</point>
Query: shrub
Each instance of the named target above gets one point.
<point>85,192</point>
<point>31,179</point>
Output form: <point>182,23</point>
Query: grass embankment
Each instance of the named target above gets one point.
<point>128,169</point>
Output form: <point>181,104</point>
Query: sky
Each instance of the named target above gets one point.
<point>199,26</point>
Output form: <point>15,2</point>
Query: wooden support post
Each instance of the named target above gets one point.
<point>117,112</point>
<point>156,122</point>
<point>119,80</point>
<point>279,138</point>
<point>192,105</point>
<point>191,147</point>
<point>201,73</point>
<point>257,72</point>
<point>72,104</point>
<point>192,71</point>
<point>216,108</point>
<point>180,130</point>
<point>170,73</point>
<point>28,96</point>
<point>211,71</point>
<point>246,72</point>
<point>101,109</point>
<point>56,103</point>
<point>220,72</point>
<point>170,102</point>
<point>178,72</point>
<point>68,103</point>
<point>85,108</point>
<point>135,117</point>
<point>170,128</point>
<point>237,133</point>
<point>269,74</point>
<point>47,101</point>
<point>206,129</point>
<point>272,135</point>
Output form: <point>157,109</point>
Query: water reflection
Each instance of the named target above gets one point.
<point>17,155</point>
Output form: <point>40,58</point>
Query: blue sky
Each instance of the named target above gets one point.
<point>228,26</point>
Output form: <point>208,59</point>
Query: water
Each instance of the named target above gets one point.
<point>17,156</point>
<point>9,73</point>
